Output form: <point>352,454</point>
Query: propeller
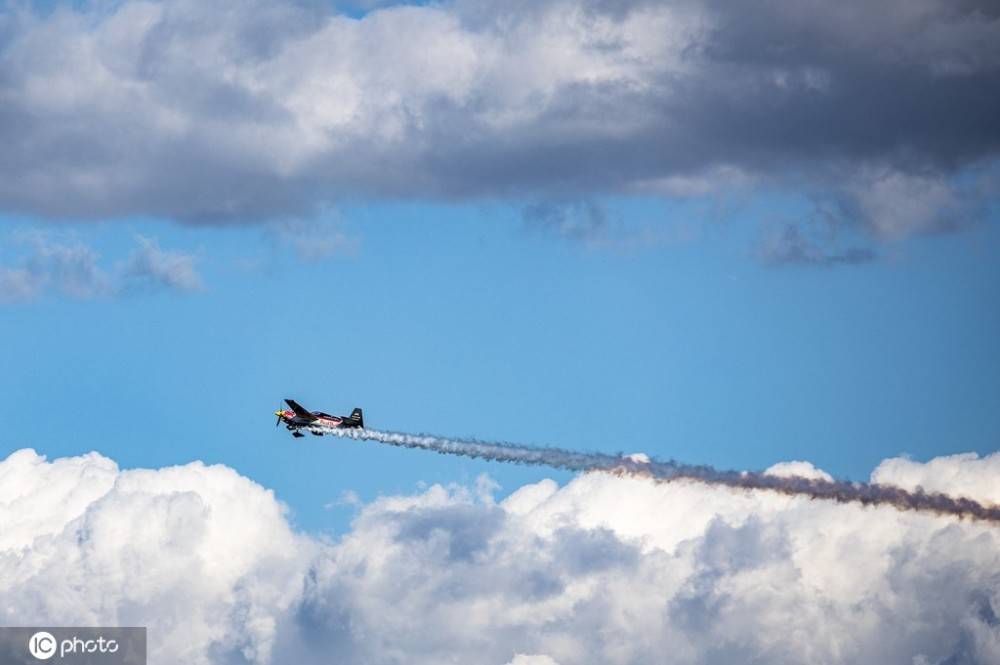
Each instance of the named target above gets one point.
<point>278,413</point>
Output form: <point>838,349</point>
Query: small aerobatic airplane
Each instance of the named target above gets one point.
<point>298,419</point>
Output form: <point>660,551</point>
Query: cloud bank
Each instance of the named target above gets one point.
<point>604,569</point>
<point>208,112</point>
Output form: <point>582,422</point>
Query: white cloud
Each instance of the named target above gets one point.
<point>201,555</point>
<point>897,205</point>
<point>603,570</point>
<point>64,265</point>
<point>38,499</point>
<point>798,468</point>
<point>965,475</point>
<point>151,267</point>
<point>206,111</point>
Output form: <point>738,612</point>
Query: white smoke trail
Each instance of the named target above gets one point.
<point>840,491</point>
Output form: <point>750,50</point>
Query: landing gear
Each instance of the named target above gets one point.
<point>297,434</point>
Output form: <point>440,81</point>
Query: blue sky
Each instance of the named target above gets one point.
<point>466,321</point>
<point>729,234</point>
<point>630,228</point>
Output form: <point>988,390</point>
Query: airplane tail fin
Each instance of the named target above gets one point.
<point>357,418</point>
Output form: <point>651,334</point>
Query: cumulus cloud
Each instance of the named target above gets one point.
<point>202,111</point>
<point>605,569</point>
<point>64,265</point>
<point>965,475</point>
<point>798,469</point>
<point>200,554</point>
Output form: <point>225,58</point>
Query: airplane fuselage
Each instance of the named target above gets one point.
<point>321,420</point>
<point>297,418</point>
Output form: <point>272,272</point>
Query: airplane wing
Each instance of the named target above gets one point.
<point>299,411</point>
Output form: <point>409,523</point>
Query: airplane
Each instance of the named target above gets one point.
<point>298,418</point>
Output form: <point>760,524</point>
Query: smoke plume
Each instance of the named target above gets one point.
<point>665,471</point>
